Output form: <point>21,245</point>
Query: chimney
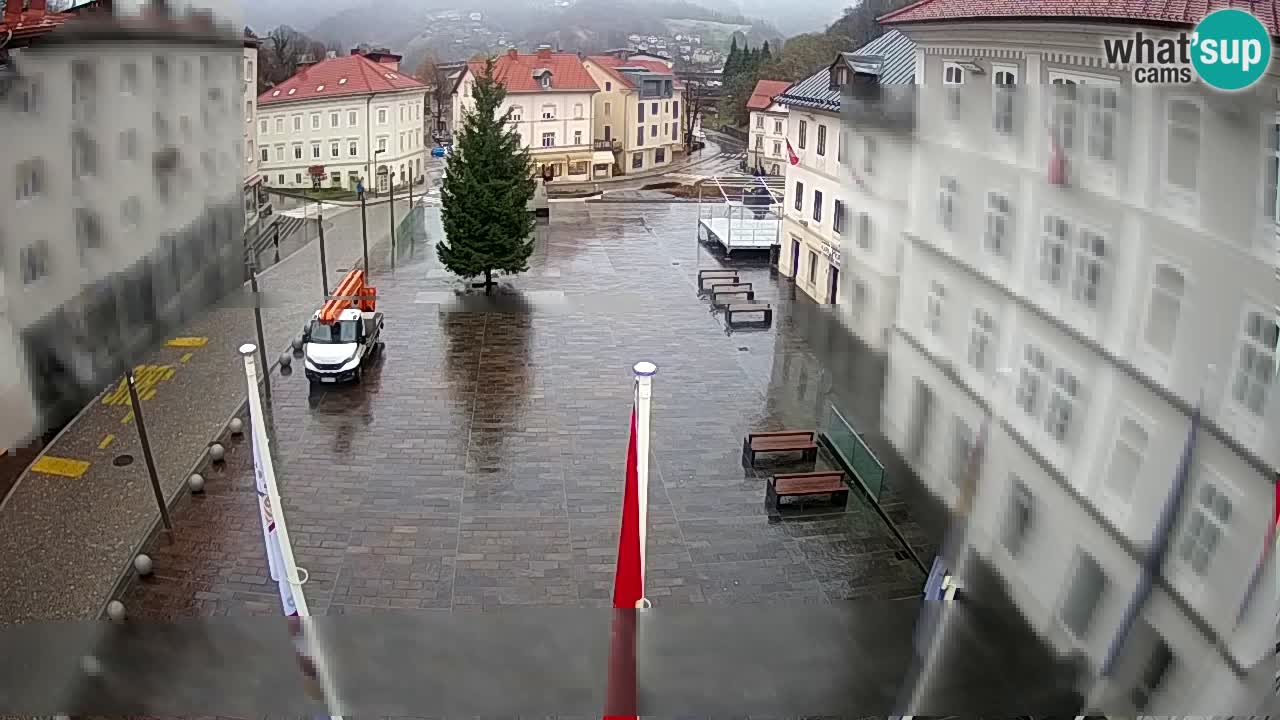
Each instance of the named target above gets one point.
<point>544,52</point>
<point>513,53</point>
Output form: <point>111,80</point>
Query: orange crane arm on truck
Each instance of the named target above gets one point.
<point>350,292</point>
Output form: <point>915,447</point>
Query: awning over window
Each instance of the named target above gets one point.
<point>600,157</point>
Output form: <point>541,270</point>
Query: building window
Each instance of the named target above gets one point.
<point>1167,287</point>
<point>577,137</point>
<point>353,148</point>
<point>777,148</point>
<point>869,152</point>
<point>1126,460</point>
<point>334,119</point>
<point>822,141</point>
<point>640,112</point>
<point>860,297</point>
<point>817,206</point>
<point>548,139</point>
<point>1205,528</point>
<point>864,231</point>
<point>297,123</point>
<point>382,144</point>
<point>777,127</point>
<point>653,131</point>
<point>640,135</point>
<point>352,118</point>
<point>279,153</point>
<point>131,212</point>
<point>1153,675</point>
<point>961,448</point>
<point>297,152</point>
<point>1089,255</point>
<point>129,145</point>
<point>333,149</point>
<point>281,179</point>
<point>981,338</point>
<point>934,308</point>
<point>1057,421</point>
<point>759,143</point>
<point>279,125</point>
<point>653,108</point>
<point>34,260</point>
<point>1053,250</point>
<point>1063,114</point>
<point>382,116</point>
<point>760,122</point>
<point>162,74</point>
<point>29,99</point>
<point>1004,89</point>
<point>1084,595</point>
<point>813,267</point>
<point>88,234</point>
<point>660,155</point>
<point>802,134</point>
<point>315,121</point>
<point>402,113</point>
<point>1017,518</point>
<point>84,155</point>
<point>1182,152</point>
<point>952,74</point>
<point>83,93</point>
<point>548,112</point>
<point>947,202</point>
<point>577,110</point>
<point>1031,380</point>
<point>517,113</point>
<point>129,79</point>
<point>637,161</point>
<point>608,108</point>
<point>315,151</point>
<point>1103,103</point>
<point>953,78</point>
<point>675,108</point>
<point>1256,369</point>
<point>799,199</point>
<point>839,212</point>
<point>262,127</point>
<point>998,221</point>
<point>266,155</point>
<point>297,178</point>
<point>842,141</point>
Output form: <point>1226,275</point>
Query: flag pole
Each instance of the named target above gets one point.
<point>644,372</point>
<point>280,561</point>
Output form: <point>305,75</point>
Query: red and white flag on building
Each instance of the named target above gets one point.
<point>628,581</point>
<point>792,157</point>
<point>1057,161</point>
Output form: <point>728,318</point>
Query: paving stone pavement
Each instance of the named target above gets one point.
<point>480,463</point>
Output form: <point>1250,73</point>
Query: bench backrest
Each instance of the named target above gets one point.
<point>703,274</point>
<point>731,287</point>
<point>749,307</point>
<point>782,433</point>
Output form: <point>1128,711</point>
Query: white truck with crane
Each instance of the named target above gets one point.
<point>344,333</point>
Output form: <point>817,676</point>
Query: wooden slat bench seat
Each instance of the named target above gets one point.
<point>765,309</point>
<point>802,485</point>
<point>716,277</point>
<point>720,297</point>
<point>802,441</point>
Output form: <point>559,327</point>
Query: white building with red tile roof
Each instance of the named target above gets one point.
<point>549,97</point>
<point>342,119</point>
<point>637,111</point>
<point>767,142</point>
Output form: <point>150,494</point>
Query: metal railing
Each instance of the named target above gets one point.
<point>846,443</point>
<point>607,145</point>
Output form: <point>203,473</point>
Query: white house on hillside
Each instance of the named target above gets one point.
<point>767,141</point>
<point>343,119</point>
<point>1080,262</point>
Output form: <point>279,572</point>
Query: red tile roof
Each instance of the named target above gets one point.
<point>1173,12</point>
<point>766,90</point>
<point>337,77</point>
<point>516,72</point>
<point>29,24</point>
<point>611,63</point>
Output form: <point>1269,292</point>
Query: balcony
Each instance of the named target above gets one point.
<point>607,145</point>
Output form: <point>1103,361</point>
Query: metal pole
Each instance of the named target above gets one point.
<point>257,319</point>
<point>364,234</point>
<point>324,266</point>
<point>644,372</point>
<point>391,207</point>
<point>411,229</point>
<point>146,451</point>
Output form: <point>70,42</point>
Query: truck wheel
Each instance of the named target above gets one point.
<point>359,374</point>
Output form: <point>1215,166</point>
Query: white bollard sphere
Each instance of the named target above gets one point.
<point>116,611</point>
<point>195,483</point>
<point>90,665</point>
<point>236,426</point>
<point>286,359</point>
<point>142,563</point>
<point>217,453</point>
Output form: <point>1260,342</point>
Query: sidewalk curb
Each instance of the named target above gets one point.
<point>122,580</point>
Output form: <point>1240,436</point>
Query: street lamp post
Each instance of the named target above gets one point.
<point>364,227</point>
<point>324,265</point>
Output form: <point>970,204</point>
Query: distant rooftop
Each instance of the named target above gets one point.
<point>1161,12</point>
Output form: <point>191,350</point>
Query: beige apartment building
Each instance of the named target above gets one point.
<point>637,113</point>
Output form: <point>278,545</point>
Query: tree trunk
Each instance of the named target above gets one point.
<point>488,282</point>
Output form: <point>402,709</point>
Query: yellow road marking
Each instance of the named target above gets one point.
<point>145,380</point>
<point>186,357</point>
<point>128,418</point>
<point>64,467</point>
<point>106,441</point>
<point>188,342</point>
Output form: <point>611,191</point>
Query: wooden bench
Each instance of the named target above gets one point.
<point>716,276</point>
<point>803,485</point>
<point>746,308</point>
<point>802,441</point>
<point>743,291</point>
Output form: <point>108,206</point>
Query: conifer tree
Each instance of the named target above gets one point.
<point>486,192</point>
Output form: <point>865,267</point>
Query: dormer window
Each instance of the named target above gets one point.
<point>545,81</point>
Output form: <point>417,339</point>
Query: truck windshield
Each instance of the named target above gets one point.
<point>341,332</point>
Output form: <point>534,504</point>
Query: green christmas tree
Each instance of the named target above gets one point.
<point>486,191</point>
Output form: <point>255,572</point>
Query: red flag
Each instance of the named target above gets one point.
<point>791,154</point>
<point>1057,162</point>
<point>628,592</point>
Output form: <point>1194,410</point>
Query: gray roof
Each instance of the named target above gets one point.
<point>892,56</point>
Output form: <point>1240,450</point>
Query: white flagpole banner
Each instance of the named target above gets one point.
<point>280,560</point>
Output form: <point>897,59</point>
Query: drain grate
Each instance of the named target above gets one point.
<point>122,460</point>
<point>742,349</point>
